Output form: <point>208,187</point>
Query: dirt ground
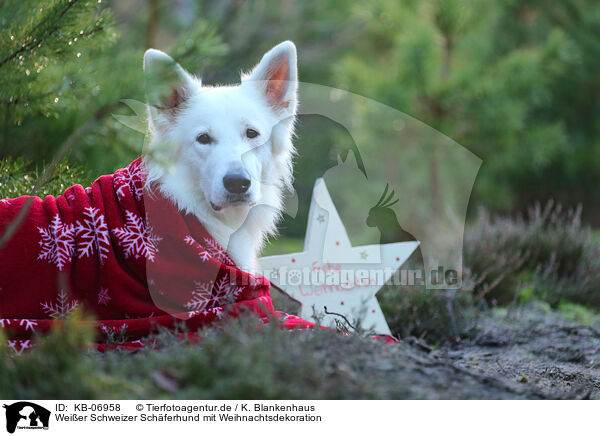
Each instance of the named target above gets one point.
<point>523,353</point>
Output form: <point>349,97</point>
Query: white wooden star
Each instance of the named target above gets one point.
<point>310,276</point>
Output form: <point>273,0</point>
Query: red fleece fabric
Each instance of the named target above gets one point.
<point>125,254</point>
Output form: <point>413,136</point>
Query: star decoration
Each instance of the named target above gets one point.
<point>356,273</point>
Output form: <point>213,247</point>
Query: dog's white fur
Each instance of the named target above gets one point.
<point>191,173</point>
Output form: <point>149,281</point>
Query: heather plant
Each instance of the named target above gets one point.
<point>547,254</point>
<point>431,315</point>
<point>548,250</point>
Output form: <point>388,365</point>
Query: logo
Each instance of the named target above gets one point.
<point>26,415</point>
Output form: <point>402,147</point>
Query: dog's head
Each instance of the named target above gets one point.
<point>229,145</point>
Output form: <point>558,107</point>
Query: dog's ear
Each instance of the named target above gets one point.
<point>167,84</point>
<point>277,77</point>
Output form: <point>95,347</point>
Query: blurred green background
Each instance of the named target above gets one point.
<point>513,81</point>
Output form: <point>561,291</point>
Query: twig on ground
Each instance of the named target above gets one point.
<point>341,316</point>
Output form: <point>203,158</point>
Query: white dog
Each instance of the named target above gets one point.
<point>224,153</point>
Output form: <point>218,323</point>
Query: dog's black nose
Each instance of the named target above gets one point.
<point>236,183</point>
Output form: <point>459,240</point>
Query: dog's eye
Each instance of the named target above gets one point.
<point>204,138</point>
<point>251,133</point>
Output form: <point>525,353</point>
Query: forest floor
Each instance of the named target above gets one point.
<point>525,352</point>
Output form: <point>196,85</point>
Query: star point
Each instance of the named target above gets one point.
<point>331,273</point>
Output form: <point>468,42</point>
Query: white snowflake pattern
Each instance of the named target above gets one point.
<point>93,234</point>
<point>136,238</point>
<point>5,201</point>
<point>57,242</point>
<point>18,345</point>
<point>210,294</point>
<point>191,314</point>
<point>224,287</point>
<point>117,329</point>
<point>132,177</point>
<point>217,311</point>
<point>204,255</point>
<point>264,300</point>
<point>103,297</point>
<point>29,324</point>
<point>216,251</point>
<point>139,342</point>
<point>62,308</point>
<point>201,297</point>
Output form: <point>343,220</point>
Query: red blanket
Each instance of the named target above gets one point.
<point>123,253</point>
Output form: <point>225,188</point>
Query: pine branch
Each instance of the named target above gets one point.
<point>34,42</point>
<point>50,169</point>
<point>23,99</point>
